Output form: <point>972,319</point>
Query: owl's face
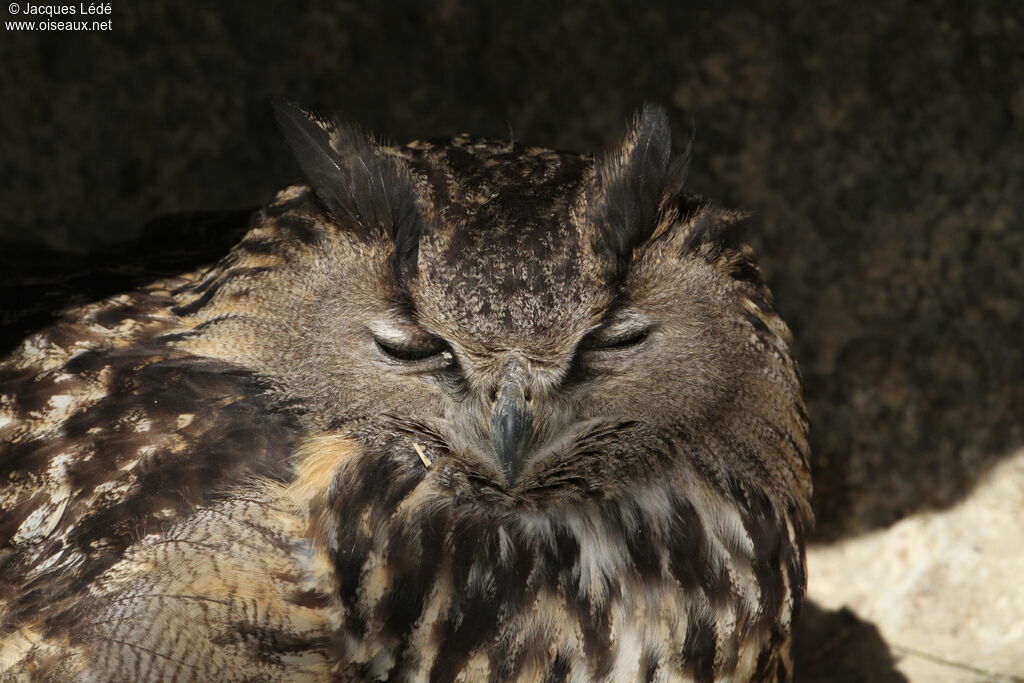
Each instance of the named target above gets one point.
<point>547,324</point>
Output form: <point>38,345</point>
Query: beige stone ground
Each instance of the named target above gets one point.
<point>945,589</point>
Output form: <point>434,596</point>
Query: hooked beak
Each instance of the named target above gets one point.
<point>511,426</point>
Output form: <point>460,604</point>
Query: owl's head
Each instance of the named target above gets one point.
<point>548,325</point>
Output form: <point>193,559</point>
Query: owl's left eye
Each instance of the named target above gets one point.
<point>617,341</point>
<point>622,341</point>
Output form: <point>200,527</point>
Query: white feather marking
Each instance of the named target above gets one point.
<point>45,518</point>
<point>602,557</point>
<point>59,404</point>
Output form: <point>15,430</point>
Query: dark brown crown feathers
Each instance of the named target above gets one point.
<point>635,187</point>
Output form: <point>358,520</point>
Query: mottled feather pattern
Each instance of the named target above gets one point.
<point>223,476</point>
<point>617,583</point>
<point>133,436</point>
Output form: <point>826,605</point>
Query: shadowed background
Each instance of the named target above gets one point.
<point>880,145</point>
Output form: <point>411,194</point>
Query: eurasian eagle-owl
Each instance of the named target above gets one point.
<point>458,410</point>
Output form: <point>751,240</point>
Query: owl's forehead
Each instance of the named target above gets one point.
<point>466,176</point>
<point>505,256</point>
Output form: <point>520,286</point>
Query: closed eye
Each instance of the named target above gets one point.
<point>411,353</point>
<point>619,342</point>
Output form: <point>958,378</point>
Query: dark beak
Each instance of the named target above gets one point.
<point>511,427</point>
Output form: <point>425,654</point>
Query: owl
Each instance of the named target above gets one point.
<point>459,410</point>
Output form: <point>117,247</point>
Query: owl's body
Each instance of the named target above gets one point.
<point>459,411</point>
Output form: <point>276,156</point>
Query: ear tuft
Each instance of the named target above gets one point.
<point>631,180</point>
<point>363,188</point>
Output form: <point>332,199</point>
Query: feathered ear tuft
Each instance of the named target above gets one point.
<point>363,188</point>
<point>630,182</point>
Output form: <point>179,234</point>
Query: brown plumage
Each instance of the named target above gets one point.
<point>460,410</point>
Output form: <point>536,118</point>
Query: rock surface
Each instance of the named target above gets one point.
<point>945,589</point>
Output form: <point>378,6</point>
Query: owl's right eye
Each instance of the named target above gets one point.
<point>411,353</point>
